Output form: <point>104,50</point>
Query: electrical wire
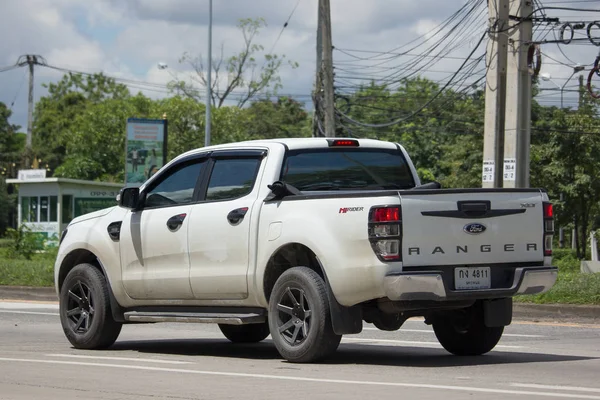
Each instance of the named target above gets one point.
<point>12,103</point>
<point>8,68</point>
<point>284,26</point>
<point>155,87</point>
<point>397,121</point>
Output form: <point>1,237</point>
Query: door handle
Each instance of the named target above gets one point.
<point>236,216</point>
<point>175,222</point>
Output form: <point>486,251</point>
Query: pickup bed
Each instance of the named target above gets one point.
<point>304,240</point>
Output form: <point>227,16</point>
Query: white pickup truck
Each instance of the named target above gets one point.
<point>304,239</point>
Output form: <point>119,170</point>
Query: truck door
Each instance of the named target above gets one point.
<point>154,246</point>
<point>220,230</point>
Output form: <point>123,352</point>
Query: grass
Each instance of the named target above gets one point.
<point>39,271</point>
<point>571,287</point>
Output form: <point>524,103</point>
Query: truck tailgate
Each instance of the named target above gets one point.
<point>454,227</point>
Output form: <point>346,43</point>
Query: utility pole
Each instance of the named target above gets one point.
<point>208,77</point>
<point>30,60</point>
<point>518,97</point>
<point>318,83</point>
<point>495,94</point>
<point>326,67</point>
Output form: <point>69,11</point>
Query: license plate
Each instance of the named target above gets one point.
<point>466,278</point>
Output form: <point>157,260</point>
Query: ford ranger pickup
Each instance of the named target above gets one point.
<point>304,240</point>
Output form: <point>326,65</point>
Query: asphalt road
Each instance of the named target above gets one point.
<point>189,361</point>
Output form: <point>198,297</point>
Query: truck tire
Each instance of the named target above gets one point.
<point>463,333</point>
<point>251,333</point>
<point>299,317</point>
<point>85,313</point>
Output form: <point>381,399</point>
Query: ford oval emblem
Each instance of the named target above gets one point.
<point>474,228</point>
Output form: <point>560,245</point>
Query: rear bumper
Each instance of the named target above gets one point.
<point>431,285</point>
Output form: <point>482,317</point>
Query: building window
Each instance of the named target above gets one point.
<point>24,209</point>
<point>44,209</point>
<point>53,209</point>
<point>67,208</point>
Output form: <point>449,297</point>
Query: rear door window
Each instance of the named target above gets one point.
<point>355,169</point>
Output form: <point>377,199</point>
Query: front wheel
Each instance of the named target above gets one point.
<point>463,332</point>
<point>85,313</point>
<point>299,317</point>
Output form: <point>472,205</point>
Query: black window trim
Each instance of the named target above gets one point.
<point>397,150</point>
<point>231,155</point>
<point>182,163</point>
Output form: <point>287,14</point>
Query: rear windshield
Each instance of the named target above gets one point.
<point>354,169</point>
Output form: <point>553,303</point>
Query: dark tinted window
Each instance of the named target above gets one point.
<point>232,178</point>
<point>347,169</point>
<point>67,208</point>
<point>177,188</point>
<point>53,208</point>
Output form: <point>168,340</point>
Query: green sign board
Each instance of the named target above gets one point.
<point>84,205</point>
<point>146,149</point>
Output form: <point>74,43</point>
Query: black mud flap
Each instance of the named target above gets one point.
<point>345,320</point>
<point>497,312</point>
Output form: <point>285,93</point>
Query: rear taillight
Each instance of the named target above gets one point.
<point>548,228</point>
<point>385,232</point>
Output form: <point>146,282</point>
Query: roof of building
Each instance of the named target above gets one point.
<point>65,180</point>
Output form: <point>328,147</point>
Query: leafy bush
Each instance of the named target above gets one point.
<point>23,243</point>
<point>566,260</point>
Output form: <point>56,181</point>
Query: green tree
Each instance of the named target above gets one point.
<point>566,159</point>
<point>286,117</point>
<point>12,144</point>
<point>246,77</point>
<point>58,114</point>
<point>94,147</point>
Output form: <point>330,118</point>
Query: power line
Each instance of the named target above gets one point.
<point>156,87</point>
<point>397,121</point>
<point>18,90</point>
<point>284,26</point>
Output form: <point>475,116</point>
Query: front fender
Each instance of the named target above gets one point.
<point>92,235</point>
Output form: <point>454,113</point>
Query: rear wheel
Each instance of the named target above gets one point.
<point>463,332</point>
<point>299,317</point>
<point>251,333</point>
<point>85,313</point>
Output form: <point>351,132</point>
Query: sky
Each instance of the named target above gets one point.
<point>128,38</point>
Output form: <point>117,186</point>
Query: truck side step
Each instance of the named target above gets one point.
<point>207,318</point>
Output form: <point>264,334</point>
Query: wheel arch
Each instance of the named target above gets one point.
<point>74,258</point>
<point>345,320</point>
<point>79,256</point>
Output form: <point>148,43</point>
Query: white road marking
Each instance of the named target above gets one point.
<point>150,360</point>
<point>27,312</point>
<point>430,331</point>
<point>554,387</point>
<point>13,305</point>
<point>307,379</point>
<point>410,342</point>
<point>522,335</point>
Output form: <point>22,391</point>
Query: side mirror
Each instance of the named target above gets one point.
<point>279,190</point>
<point>430,185</point>
<point>129,197</point>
